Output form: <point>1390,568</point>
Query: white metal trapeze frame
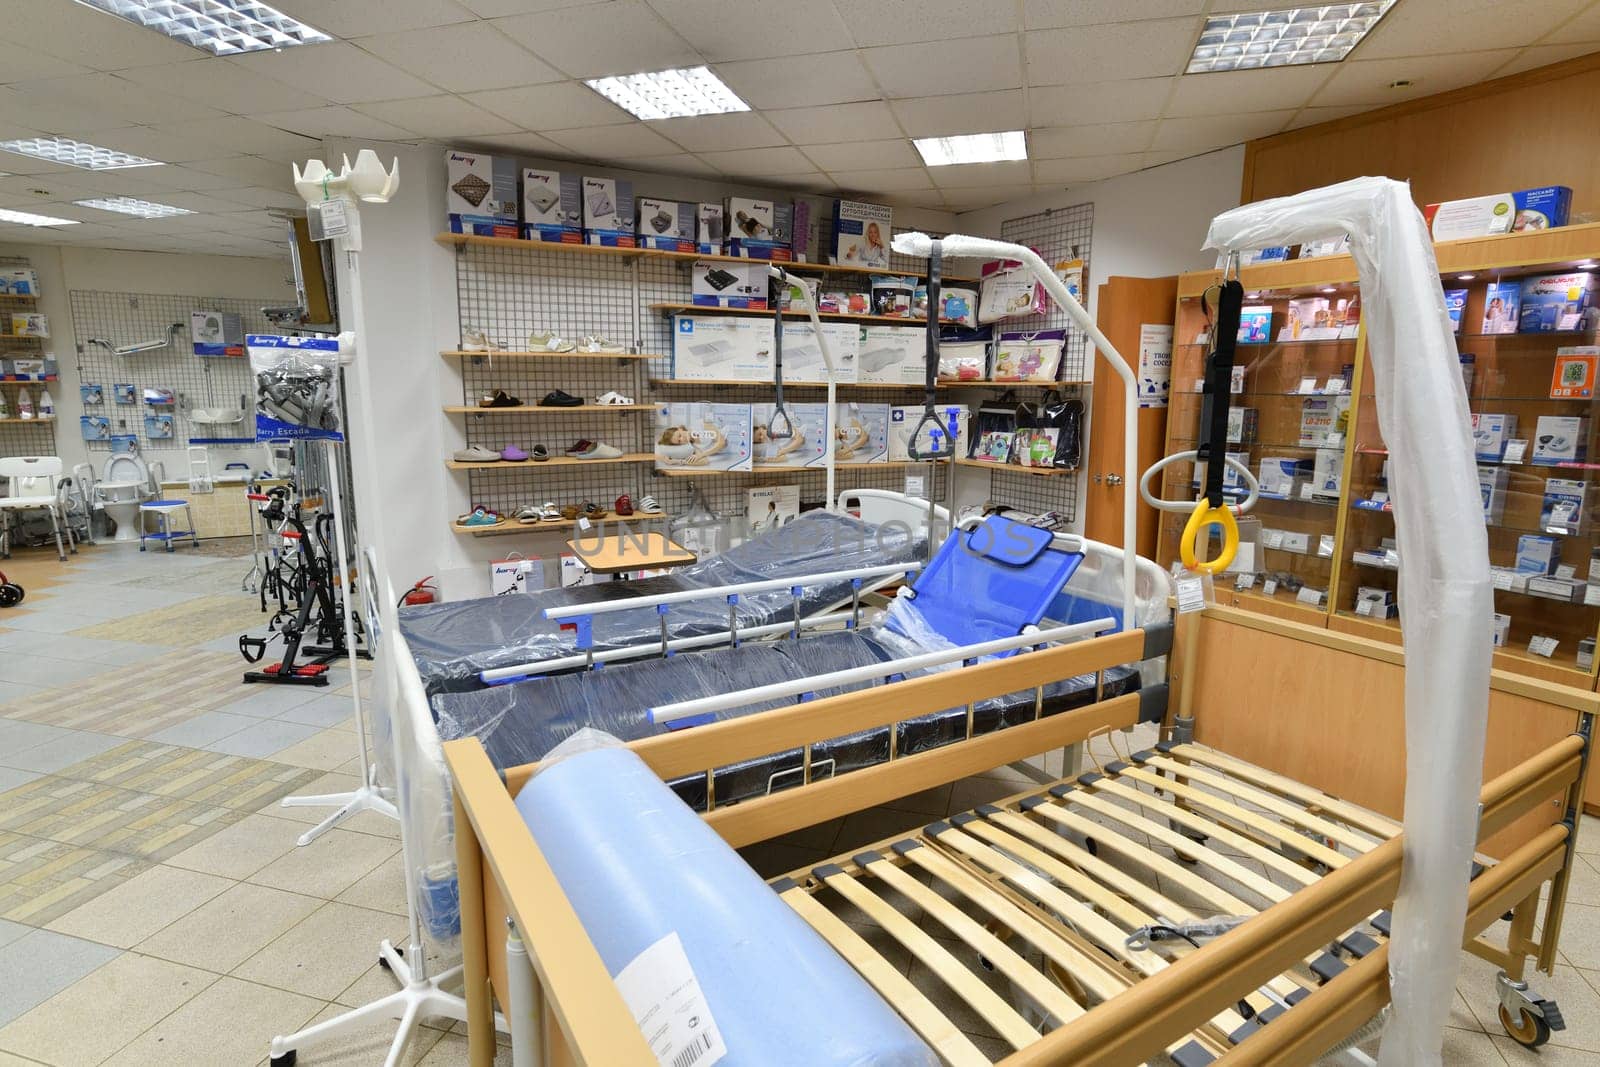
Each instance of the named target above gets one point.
<point>830,416</point>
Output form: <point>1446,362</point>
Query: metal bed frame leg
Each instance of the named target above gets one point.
<point>526,1011</point>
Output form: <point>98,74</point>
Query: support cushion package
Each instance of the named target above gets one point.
<point>806,447</point>
<point>701,436</point>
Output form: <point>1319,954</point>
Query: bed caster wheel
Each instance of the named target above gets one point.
<point>1528,1020</point>
<point>286,1060</point>
<point>1529,1030</point>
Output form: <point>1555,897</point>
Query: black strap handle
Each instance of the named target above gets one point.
<point>1213,443</point>
<point>778,410</point>
<point>931,368</point>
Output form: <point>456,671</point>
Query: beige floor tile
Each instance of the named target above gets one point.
<point>1584,887</point>
<point>368,822</point>
<point>375,982</point>
<point>1589,836</point>
<point>772,858</point>
<point>874,824</point>
<point>1547,1056</point>
<point>324,751</point>
<point>1467,1048</point>
<point>232,1022</point>
<point>451,1051</point>
<point>935,801</point>
<point>87,1022</point>
<point>227,930</point>
<point>136,909</point>
<point>329,865</point>
<point>366,1045</point>
<point>242,849</point>
<point>1580,933</point>
<point>324,953</point>
<point>970,792</point>
<point>381,889</point>
<point>9,1060</point>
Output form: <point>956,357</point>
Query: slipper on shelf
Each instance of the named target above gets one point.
<point>539,453</point>
<point>601,450</point>
<point>550,513</point>
<point>559,399</point>
<point>647,505</point>
<point>480,518</point>
<point>476,454</point>
<point>513,454</point>
<point>549,342</point>
<point>499,399</point>
<point>527,515</point>
<point>611,399</point>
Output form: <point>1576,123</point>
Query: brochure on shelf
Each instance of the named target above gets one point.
<point>718,348</point>
<point>695,435</point>
<point>1155,364</point>
<point>806,447</point>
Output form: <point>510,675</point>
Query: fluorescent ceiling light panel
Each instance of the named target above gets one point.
<point>128,205</point>
<point>76,153</point>
<point>23,218</point>
<point>972,148</point>
<point>1287,38</point>
<point>669,94</point>
<point>221,27</point>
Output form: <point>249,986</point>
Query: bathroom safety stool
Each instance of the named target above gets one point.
<point>164,511</point>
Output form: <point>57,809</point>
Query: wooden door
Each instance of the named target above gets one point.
<point>1121,307</point>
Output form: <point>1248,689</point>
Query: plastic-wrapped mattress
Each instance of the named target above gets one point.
<point>453,643</point>
<point>520,723</point>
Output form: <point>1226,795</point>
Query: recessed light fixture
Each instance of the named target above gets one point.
<point>24,218</point>
<point>669,94</point>
<point>1465,277</point>
<point>76,153</point>
<point>128,205</point>
<point>1330,290</point>
<point>1287,38</point>
<point>221,27</point>
<point>1586,264</point>
<point>972,148</point>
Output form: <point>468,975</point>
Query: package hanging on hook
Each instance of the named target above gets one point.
<point>297,387</point>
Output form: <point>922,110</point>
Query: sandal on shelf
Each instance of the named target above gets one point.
<point>499,399</point>
<point>480,517</point>
<point>601,450</point>
<point>513,454</point>
<point>557,398</point>
<point>594,511</point>
<point>647,506</point>
<point>624,505</point>
<point>580,447</point>
<point>613,399</point>
<point>569,511</point>
<point>549,342</point>
<point>527,515</point>
<point>549,513</point>
<point>539,453</point>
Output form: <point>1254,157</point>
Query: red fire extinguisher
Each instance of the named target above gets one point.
<point>424,592</point>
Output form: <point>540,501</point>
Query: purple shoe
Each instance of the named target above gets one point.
<point>513,454</point>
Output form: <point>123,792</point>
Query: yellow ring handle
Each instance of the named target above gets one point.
<point>1205,515</point>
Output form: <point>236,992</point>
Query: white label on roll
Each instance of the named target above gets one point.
<point>661,991</point>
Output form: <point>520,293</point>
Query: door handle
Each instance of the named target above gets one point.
<point>1113,479</point>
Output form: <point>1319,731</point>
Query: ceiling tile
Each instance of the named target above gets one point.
<point>884,22</point>
<point>1586,27</point>
<point>336,122</point>
<point>285,197</point>
<point>1109,101</point>
<point>152,143</point>
<point>563,105</point>
<point>679,163</point>
<point>1107,52</point>
<point>248,170</point>
<point>800,180</point>
<point>1434,27</point>
<point>187,176</point>
<point>1217,131</point>
<point>1366,81</point>
<point>1544,55</point>
<point>1162,158</point>
<point>613,142</point>
<point>1310,116</point>
<point>622,37</point>
<point>462,58</point>
<point>942,116</point>
<point>527,143</point>
<point>1076,142</point>
<point>759,162</point>
<point>1048,14</point>
<point>92,38</point>
<point>712,133</point>
<point>199,202</point>
<point>755,29</point>
<point>357,18</point>
<point>1086,168</point>
<point>1228,92</point>
<point>18,62</point>
<point>442,117</point>
<point>933,198</point>
<point>939,68</point>
<point>222,83</point>
<point>979,197</point>
<point>493,9</point>
<point>57,116</point>
<point>114,95</point>
<point>340,72</point>
<point>969,175</point>
<point>863,155</point>
<point>246,135</point>
<point>868,120</point>
<point>904,179</point>
<point>800,81</point>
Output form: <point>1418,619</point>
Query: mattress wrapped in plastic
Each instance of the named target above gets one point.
<point>453,642</point>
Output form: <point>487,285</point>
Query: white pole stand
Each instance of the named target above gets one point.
<point>367,796</point>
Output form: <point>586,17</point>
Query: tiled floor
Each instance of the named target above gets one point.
<point>154,907</point>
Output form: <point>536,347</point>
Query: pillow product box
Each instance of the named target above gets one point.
<point>1490,432</point>
<point>709,230</point>
<point>1537,554</point>
<point>1485,216</point>
<point>608,212</point>
<point>802,355</point>
<point>892,355</point>
<point>1282,476</point>
<point>701,436</point>
<point>861,234</point>
<point>902,420</point>
<point>1242,426</point>
<point>1560,439</point>
<point>516,575</point>
<point>807,448</point>
<point>759,229</point>
<point>717,283</point>
<point>861,433</point>
<point>481,193</point>
<point>1492,485</point>
<point>713,348</point>
<point>19,281</point>
<point>666,224</point>
<point>1455,305</point>
<point>1328,472</point>
<point>1500,303</point>
<point>552,206</point>
<point>1563,508</point>
<point>216,333</point>
<point>1321,416</point>
<point>1555,302</point>
<point>1255,324</point>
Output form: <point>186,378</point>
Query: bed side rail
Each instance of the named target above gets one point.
<point>717,592</point>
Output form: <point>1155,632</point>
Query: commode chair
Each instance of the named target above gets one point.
<point>124,484</point>
<point>32,485</point>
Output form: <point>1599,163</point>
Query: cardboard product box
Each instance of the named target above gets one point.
<point>1564,509</point>
<point>552,206</point>
<point>1321,416</point>
<point>608,212</point>
<point>1553,302</point>
<point>1295,541</point>
<point>516,575</point>
<point>667,224</point>
<point>481,193</point>
<point>1242,426</point>
<point>710,229</point>
<point>892,355</point>
<point>30,368</point>
<point>807,448</point>
<point>861,234</point>
<point>768,507</point>
<point>1573,376</point>
<point>1455,305</point>
<point>1485,216</point>
<point>1469,364</point>
<point>1328,472</point>
<point>1282,476</point>
<point>1255,324</point>
<point>694,435</point>
<point>1492,486</point>
<point>718,283</point>
<point>802,355</point>
<point>1537,554</point>
<point>1567,589</point>
<point>861,433</point>
<point>714,348</point>
<point>1308,320</point>
<point>800,230</point>
<point>1560,439</point>
<point>759,229</point>
<point>19,281</point>
<point>1490,432</point>
<point>574,573</point>
<point>1502,629</point>
<point>216,333</point>
<point>1501,301</point>
<point>30,324</point>
<point>1586,654</point>
<point>904,419</point>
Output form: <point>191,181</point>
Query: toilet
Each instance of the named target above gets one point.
<point>124,482</point>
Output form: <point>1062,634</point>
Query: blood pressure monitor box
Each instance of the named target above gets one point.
<point>666,224</point>
<point>1485,216</point>
<point>713,348</point>
<point>1490,432</point>
<point>1282,476</point>
<point>1560,439</point>
<point>861,433</point>
<point>903,420</point>
<point>802,355</point>
<point>699,436</point>
<point>1556,302</point>
<point>1562,510</point>
<point>608,212</point>
<point>552,206</point>
<point>481,193</point>
<point>861,234</point>
<point>892,355</point>
<point>1492,487</point>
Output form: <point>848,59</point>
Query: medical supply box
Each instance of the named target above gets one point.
<point>608,212</point>
<point>709,229</point>
<point>698,436</point>
<point>759,229</point>
<point>666,224</point>
<point>1560,439</point>
<point>1553,302</point>
<point>1490,433</point>
<point>481,193</point>
<point>552,206</point>
<point>717,348</point>
<point>1497,213</point>
<point>718,283</point>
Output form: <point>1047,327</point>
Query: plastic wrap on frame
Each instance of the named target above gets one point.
<point>1445,595</point>
<point>454,642</point>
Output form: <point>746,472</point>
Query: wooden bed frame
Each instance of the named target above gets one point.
<point>1140,1008</point>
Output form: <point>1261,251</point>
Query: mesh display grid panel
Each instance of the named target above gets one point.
<point>201,381</point>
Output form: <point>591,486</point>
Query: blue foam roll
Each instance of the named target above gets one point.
<point>637,865</point>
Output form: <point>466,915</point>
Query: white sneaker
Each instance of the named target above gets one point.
<point>549,342</point>
<point>599,343</point>
<point>475,339</point>
<point>612,398</point>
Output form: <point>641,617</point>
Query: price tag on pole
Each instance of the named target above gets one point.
<point>1194,592</point>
